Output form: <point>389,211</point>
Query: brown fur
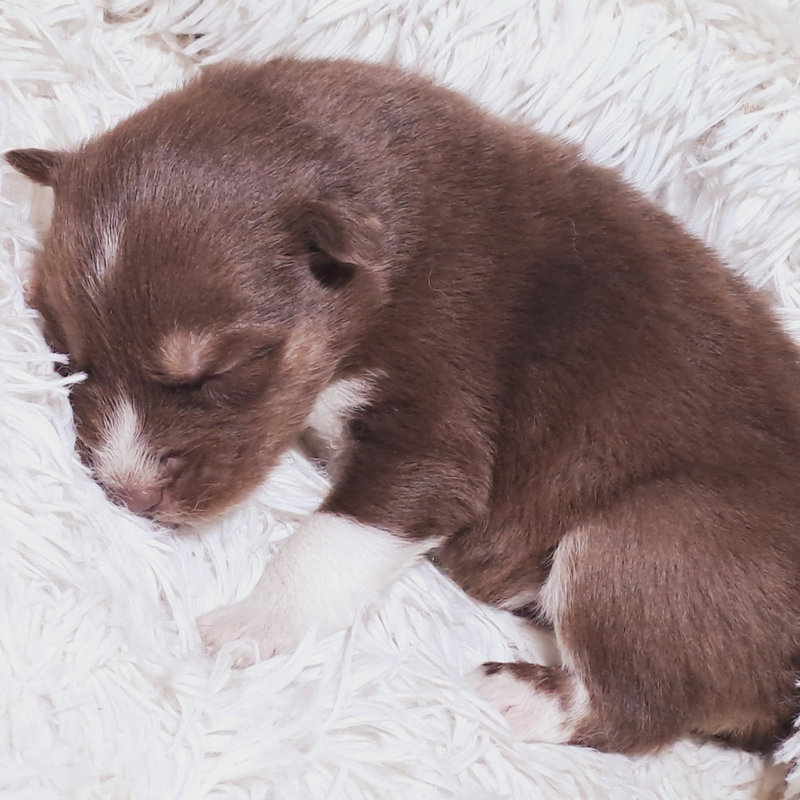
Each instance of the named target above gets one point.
<point>564,380</point>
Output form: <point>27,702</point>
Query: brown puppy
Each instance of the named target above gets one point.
<point>514,357</point>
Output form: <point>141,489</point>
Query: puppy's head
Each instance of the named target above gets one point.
<point>208,281</point>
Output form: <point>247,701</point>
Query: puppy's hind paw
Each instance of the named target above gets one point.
<point>536,701</point>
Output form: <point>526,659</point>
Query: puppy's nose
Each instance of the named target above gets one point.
<point>139,499</point>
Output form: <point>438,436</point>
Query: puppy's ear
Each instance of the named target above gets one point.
<point>340,240</point>
<point>41,166</point>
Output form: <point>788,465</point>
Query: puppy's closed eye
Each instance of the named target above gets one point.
<point>241,383</point>
<point>216,368</point>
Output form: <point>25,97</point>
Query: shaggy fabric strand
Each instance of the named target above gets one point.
<point>105,690</point>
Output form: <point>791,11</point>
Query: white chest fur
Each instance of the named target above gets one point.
<point>326,424</point>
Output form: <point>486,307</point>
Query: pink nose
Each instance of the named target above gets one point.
<point>139,499</point>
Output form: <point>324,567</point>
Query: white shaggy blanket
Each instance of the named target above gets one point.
<point>105,691</point>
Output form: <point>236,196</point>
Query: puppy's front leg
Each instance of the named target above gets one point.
<point>321,577</point>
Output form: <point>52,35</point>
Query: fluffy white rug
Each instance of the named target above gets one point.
<point>104,689</point>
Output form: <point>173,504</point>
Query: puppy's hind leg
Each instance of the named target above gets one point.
<point>675,614</point>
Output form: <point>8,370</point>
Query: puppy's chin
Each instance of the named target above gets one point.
<point>183,516</point>
<point>187,514</point>
<point>172,514</point>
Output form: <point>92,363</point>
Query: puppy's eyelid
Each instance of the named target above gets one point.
<point>175,382</point>
<point>214,373</point>
<point>215,377</point>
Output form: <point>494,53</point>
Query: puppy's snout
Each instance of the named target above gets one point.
<point>139,499</point>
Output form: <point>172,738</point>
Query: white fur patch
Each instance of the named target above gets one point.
<point>109,233</point>
<point>536,715</point>
<point>519,600</point>
<point>554,594</point>
<point>124,459</point>
<point>321,577</point>
<point>108,247</point>
<point>334,405</point>
<point>555,590</point>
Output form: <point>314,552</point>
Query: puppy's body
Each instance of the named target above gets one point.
<point>516,359</point>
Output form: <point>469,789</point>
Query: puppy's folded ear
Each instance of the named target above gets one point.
<point>41,166</point>
<point>340,239</point>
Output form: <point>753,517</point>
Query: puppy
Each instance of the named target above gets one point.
<point>511,356</point>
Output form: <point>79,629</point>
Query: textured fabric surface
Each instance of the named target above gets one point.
<point>105,691</point>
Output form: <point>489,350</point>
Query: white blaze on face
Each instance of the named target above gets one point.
<point>109,233</point>
<point>124,460</point>
<point>108,245</point>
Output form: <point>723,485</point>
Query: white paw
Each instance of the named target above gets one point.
<point>273,629</point>
<point>321,577</point>
<point>506,693</point>
<point>536,715</point>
